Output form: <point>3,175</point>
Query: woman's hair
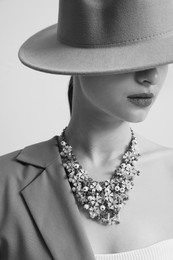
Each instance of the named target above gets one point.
<point>70,93</point>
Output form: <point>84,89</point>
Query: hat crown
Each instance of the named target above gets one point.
<point>97,23</point>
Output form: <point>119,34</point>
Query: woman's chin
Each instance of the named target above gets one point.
<point>138,117</point>
<point>136,114</point>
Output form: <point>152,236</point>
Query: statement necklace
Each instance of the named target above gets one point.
<point>101,199</point>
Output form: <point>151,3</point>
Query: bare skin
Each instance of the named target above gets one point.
<point>99,134</point>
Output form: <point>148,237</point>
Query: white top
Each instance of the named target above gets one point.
<point>162,250</point>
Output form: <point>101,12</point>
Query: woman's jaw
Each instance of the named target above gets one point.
<point>126,97</point>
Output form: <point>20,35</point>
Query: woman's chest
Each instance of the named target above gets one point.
<point>144,220</point>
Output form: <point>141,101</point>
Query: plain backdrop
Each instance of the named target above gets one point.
<point>34,105</point>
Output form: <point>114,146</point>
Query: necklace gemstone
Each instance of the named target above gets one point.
<point>102,200</point>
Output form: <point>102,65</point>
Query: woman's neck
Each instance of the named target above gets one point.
<point>99,141</point>
<point>95,134</point>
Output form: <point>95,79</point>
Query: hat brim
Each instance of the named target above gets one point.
<point>44,52</point>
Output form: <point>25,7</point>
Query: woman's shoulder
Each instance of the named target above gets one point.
<point>9,164</point>
<point>153,152</point>
<point>18,170</point>
<point>150,145</point>
<point>14,165</point>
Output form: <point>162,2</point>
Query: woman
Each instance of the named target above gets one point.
<point>98,190</point>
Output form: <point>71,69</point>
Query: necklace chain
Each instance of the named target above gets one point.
<point>101,199</point>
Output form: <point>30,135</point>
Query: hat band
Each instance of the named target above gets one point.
<point>100,23</point>
<point>122,43</point>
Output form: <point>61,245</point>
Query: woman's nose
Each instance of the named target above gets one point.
<point>150,76</point>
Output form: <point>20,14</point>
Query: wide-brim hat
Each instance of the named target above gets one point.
<point>103,37</point>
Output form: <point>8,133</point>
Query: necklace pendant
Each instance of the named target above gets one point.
<point>111,220</point>
<point>116,219</point>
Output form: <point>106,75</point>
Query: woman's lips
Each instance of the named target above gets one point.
<point>141,99</point>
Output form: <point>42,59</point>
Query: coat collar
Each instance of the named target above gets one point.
<point>51,203</point>
<point>40,154</point>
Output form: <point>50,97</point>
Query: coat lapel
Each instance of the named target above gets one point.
<point>52,205</point>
